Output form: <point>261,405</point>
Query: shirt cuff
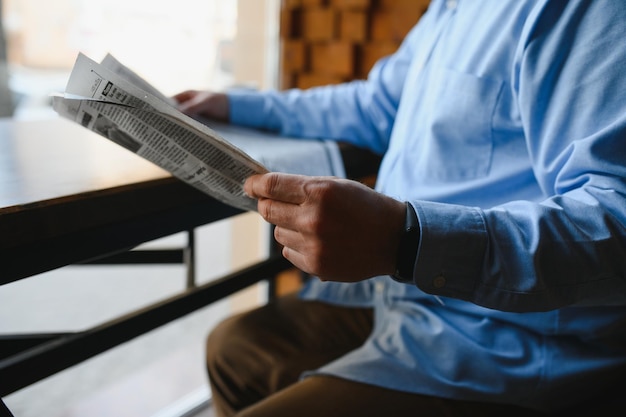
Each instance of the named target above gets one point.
<point>452,249</point>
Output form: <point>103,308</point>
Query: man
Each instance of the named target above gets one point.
<point>499,288</point>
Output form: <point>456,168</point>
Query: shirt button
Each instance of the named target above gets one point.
<point>451,4</point>
<point>379,287</point>
<point>439,281</point>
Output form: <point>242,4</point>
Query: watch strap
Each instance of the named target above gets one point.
<point>407,247</point>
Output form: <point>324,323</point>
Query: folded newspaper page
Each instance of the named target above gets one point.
<point>116,103</point>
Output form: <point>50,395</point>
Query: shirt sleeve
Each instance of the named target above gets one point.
<point>360,112</point>
<point>569,248</point>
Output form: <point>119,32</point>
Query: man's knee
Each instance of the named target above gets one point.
<point>226,339</point>
<point>249,331</point>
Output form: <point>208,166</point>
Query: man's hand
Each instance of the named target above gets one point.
<point>336,229</point>
<point>204,103</point>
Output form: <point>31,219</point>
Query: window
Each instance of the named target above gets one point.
<point>204,44</point>
<point>175,46</point>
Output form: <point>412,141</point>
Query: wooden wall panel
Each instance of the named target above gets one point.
<point>332,41</point>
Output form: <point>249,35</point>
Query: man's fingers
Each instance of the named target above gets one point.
<point>296,258</point>
<point>279,213</point>
<point>290,238</point>
<point>276,186</point>
<point>184,95</point>
<point>193,105</point>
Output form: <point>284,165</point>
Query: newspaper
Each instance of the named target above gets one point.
<point>113,101</point>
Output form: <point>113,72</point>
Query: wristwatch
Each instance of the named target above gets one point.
<point>407,248</point>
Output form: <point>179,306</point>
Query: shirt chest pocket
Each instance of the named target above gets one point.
<point>458,140</point>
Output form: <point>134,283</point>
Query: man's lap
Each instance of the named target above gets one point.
<point>255,361</point>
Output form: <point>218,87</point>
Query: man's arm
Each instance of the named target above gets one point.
<point>359,112</point>
<point>571,247</point>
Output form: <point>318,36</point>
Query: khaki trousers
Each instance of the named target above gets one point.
<point>255,359</point>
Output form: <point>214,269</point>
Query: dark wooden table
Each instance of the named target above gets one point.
<point>68,196</point>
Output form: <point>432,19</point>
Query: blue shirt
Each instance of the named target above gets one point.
<point>503,122</point>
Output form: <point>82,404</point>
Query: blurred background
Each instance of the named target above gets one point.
<point>192,44</point>
<point>202,44</point>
